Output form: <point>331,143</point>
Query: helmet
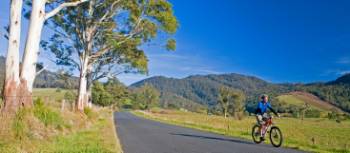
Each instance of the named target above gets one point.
<point>263,96</point>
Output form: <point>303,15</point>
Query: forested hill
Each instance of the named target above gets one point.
<point>45,79</point>
<point>345,79</point>
<point>203,89</point>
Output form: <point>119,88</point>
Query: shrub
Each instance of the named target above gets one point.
<point>89,113</point>
<point>70,96</point>
<point>46,115</point>
<point>313,113</point>
<point>337,116</point>
<point>18,126</point>
<point>58,90</point>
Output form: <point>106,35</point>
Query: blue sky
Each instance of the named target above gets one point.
<point>279,41</point>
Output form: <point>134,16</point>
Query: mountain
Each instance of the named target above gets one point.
<point>345,79</point>
<point>203,89</point>
<point>45,79</point>
<point>48,79</point>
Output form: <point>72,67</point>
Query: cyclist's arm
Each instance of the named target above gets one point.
<point>272,110</point>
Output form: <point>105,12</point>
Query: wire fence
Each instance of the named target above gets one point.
<point>61,102</point>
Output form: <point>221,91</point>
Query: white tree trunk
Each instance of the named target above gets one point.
<point>31,51</point>
<point>12,59</point>
<point>85,70</point>
<point>89,85</point>
<point>82,92</point>
<point>82,95</point>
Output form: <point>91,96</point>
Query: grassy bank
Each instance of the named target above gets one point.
<point>48,128</point>
<point>328,136</point>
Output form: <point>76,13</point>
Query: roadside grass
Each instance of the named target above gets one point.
<point>47,128</point>
<point>98,137</point>
<point>312,134</point>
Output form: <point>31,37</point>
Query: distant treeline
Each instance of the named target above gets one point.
<point>204,89</point>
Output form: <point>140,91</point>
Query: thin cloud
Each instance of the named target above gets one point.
<point>198,69</point>
<point>337,72</point>
<point>168,56</point>
<point>209,71</point>
<point>343,60</point>
<point>344,72</point>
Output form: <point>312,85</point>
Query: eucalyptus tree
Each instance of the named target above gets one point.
<point>224,99</point>
<point>19,79</point>
<point>231,101</point>
<point>103,38</point>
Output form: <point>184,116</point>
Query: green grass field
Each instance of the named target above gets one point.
<point>51,94</point>
<point>45,128</point>
<point>328,135</point>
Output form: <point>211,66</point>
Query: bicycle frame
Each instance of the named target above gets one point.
<point>265,127</point>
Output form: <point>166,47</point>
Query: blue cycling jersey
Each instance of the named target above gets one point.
<point>262,107</point>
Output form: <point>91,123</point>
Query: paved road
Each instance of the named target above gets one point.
<point>138,135</point>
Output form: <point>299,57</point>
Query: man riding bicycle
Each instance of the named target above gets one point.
<point>261,114</point>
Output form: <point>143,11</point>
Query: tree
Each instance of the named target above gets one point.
<point>231,101</point>
<point>224,99</point>
<point>100,96</point>
<point>19,80</point>
<point>146,97</point>
<point>102,38</point>
<point>151,95</point>
<point>110,93</point>
<point>303,110</point>
<point>238,107</point>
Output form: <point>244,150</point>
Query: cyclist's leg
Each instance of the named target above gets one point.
<point>263,127</point>
<point>259,121</point>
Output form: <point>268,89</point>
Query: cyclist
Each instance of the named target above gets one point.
<point>261,114</point>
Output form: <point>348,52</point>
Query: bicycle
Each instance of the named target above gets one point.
<point>275,133</point>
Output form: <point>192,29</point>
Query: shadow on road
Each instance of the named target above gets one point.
<point>212,138</point>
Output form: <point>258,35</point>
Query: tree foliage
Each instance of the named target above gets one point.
<point>116,28</point>
<point>231,101</point>
<point>146,97</point>
<point>109,93</point>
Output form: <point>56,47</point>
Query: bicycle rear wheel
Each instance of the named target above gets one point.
<point>276,137</point>
<point>256,134</point>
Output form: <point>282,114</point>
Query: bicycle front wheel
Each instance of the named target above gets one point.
<point>276,137</point>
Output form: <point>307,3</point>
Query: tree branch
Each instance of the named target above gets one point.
<point>100,52</point>
<point>62,6</point>
<point>109,11</point>
<point>41,70</point>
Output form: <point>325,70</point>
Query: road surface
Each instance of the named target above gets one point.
<point>139,135</point>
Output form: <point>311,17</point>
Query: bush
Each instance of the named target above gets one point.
<point>18,126</point>
<point>46,115</point>
<point>70,96</point>
<point>58,90</point>
<point>332,115</point>
<point>312,113</point>
<point>89,112</point>
<point>337,116</point>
